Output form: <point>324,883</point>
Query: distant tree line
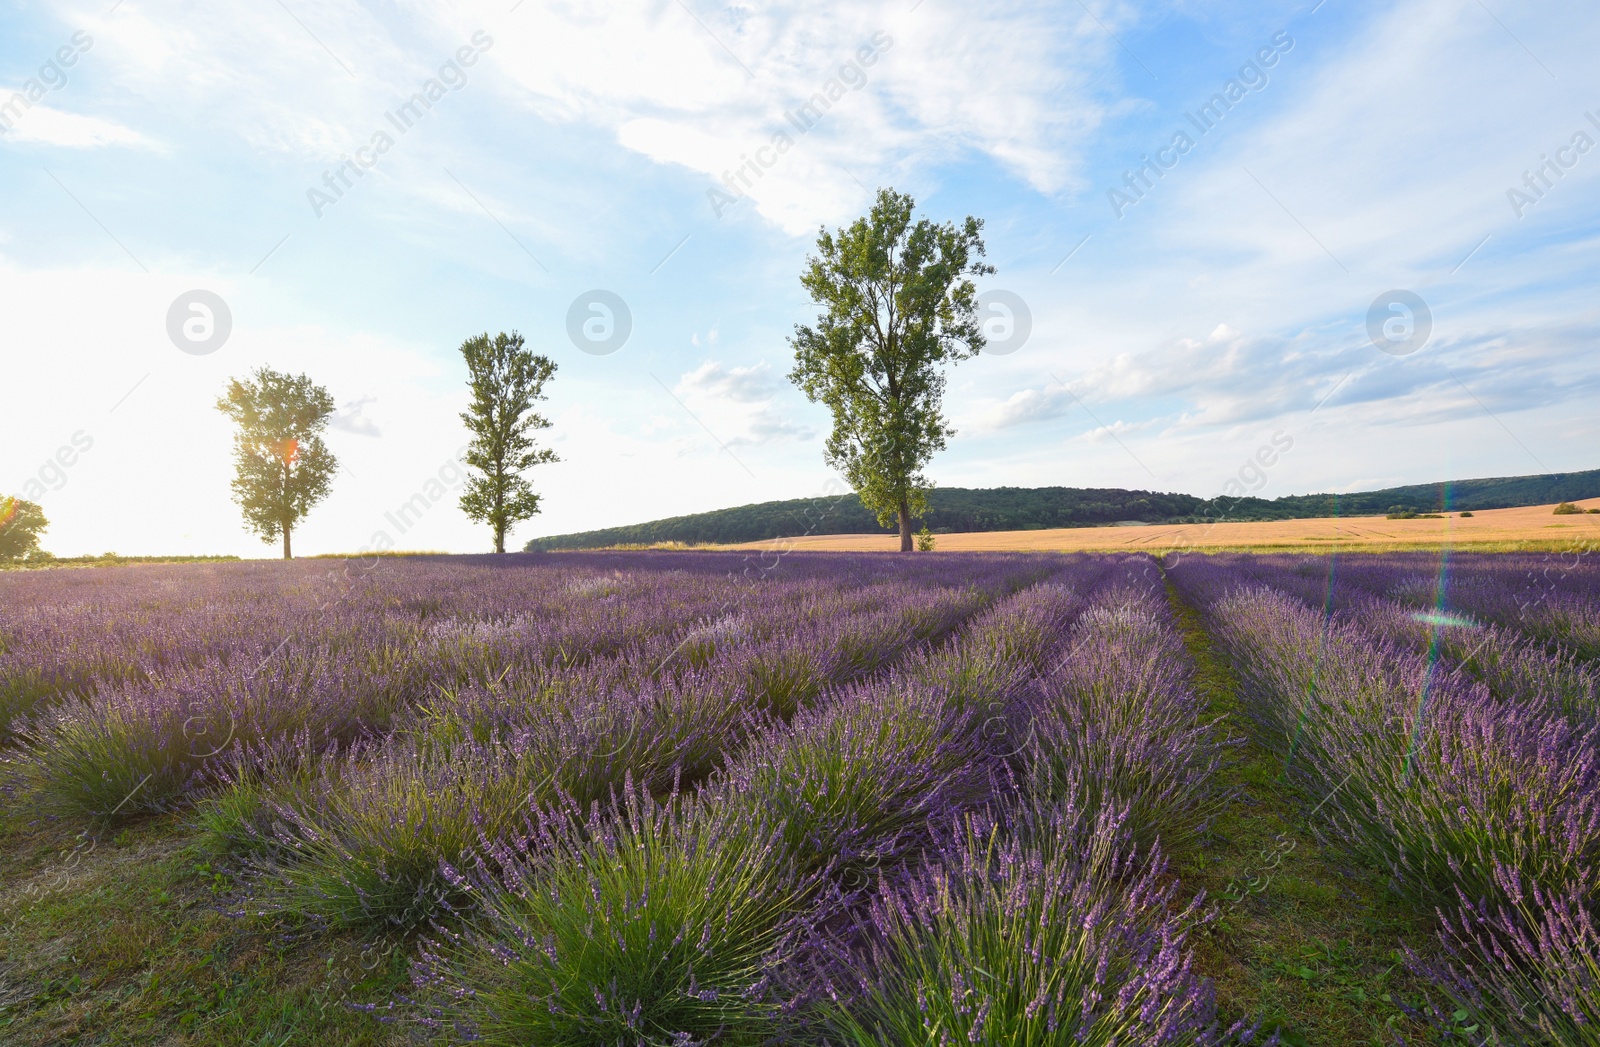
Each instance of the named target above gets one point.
<point>1022,509</point>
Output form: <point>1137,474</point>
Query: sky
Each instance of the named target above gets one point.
<point>1367,231</point>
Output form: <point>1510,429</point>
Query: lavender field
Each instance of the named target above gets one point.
<point>706,798</point>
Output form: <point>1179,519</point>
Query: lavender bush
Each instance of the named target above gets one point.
<point>855,785</point>
<point>646,923</point>
<point>366,847</point>
<point>1119,725</point>
<point>1521,970</point>
<point>1392,601</point>
<point>996,943</point>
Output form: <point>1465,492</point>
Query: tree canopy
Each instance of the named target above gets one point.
<point>506,380</point>
<point>282,466</point>
<point>897,305</point>
<point>21,523</point>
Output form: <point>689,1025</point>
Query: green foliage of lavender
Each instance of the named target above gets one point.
<point>1521,970</point>
<point>1445,720</point>
<point>1418,768</point>
<point>648,923</point>
<point>995,942</point>
<point>366,846</point>
<point>1119,726</point>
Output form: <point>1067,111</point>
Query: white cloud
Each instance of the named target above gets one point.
<point>1025,406</point>
<point>738,404</point>
<point>49,126</point>
<point>1025,85</point>
<point>927,90</point>
<point>1115,430</point>
<point>741,384</point>
<point>352,418</point>
<point>1230,379</point>
<point>1386,147</point>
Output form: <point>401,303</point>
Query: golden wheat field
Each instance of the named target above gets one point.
<point>1535,526</point>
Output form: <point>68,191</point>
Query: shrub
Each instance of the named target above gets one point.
<point>237,816</point>
<point>648,923</point>
<point>149,747</point>
<point>366,845</point>
<point>364,842</point>
<point>997,943</point>
<point>1119,725</point>
<point>991,663</point>
<point>1567,509</point>
<point>1523,970</point>
<point>855,785</point>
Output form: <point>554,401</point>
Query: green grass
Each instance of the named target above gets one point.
<point>121,939</point>
<point>1305,942</point>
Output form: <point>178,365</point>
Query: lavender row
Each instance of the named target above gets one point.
<point>1416,764</point>
<point>1487,807</point>
<point>1554,598</point>
<point>861,778</point>
<point>1000,940</point>
<point>1515,666</point>
<point>361,838</point>
<point>1523,968</point>
<point>70,634</point>
<point>848,786</point>
<point>89,640</point>
<point>720,915</point>
<point>1039,917</point>
<point>1119,723</point>
<point>1050,918</point>
<point>358,668</point>
<point>147,743</point>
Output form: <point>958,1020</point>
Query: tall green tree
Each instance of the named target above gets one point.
<point>281,466</point>
<point>897,305</point>
<point>506,382</point>
<point>21,523</point>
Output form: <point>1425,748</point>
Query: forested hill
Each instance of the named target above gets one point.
<point>1033,508</point>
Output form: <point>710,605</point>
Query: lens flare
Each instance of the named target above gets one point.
<point>1445,620</point>
<point>1438,618</point>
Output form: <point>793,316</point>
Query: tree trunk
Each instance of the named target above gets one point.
<point>905,526</point>
<point>287,553</point>
<point>499,510</point>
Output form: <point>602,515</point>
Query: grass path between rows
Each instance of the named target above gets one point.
<point>121,939</point>
<point>1305,942</point>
